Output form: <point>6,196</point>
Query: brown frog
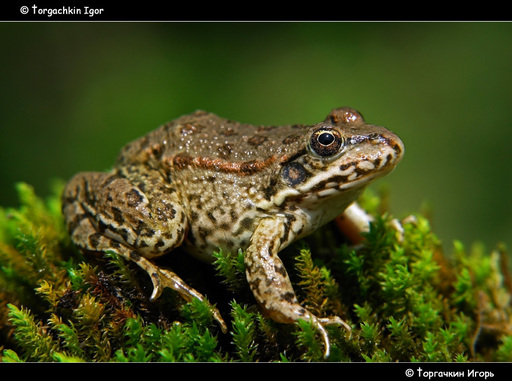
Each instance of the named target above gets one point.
<point>206,183</point>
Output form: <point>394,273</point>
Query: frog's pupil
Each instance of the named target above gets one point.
<point>325,138</point>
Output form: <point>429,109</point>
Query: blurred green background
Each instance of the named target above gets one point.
<point>74,93</point>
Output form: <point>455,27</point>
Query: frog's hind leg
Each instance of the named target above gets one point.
<point>90,201</point>
<point>160,277</point>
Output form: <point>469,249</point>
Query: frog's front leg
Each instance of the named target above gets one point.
<point>354,221</point>
<point>105,212</point>
<point>269,280</point>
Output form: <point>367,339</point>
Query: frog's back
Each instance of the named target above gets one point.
<point>207,137</point>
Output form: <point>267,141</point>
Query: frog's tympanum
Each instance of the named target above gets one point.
<point>206,183</point>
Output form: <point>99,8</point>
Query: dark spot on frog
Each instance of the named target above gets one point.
<point>344,167</point>
<point>142,187</point>
<point>165,212</point>
<point>157,151</point>
<point>294,174</point>
<point>280,270</point>
<point>115,244</point>
<point>335,179</point>
<point>224,151</point>
<point>124,234</point>
<point>102,227</point>
<point>142,244</point>
<point>257,140</point>
<point>189,129</point>
<point>203,232</point>
<point>271,189</point>
<point>255,283</point>
<point>290,218</point>
<point>375,136</point>
<point>228,131</point>
<point>94,239</point>
<point>76,221</point>
<point>224,226</point>
<point>118,215</point>
<point>134,256</point>
<point>133,198</point>
<point>181,161</point>
<point>245,224</point>
<point>143,229</point>
<point>211,216</point>
<point>288,296</point>
<point>360,171</point>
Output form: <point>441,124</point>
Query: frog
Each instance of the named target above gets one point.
<point>202,183</point>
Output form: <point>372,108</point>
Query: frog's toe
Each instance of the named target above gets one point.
<point>220,321</point>
<point>319,325</point>
<point>166,278</point>
<point>335,320</point>
<point>325,336</point>
<point>157,287</point>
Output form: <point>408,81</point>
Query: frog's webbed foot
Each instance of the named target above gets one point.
<point>162,278</point>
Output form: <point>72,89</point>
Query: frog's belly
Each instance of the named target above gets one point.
<point>205,237</point>
<point>203,241</point>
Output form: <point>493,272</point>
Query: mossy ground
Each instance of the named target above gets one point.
<point>404,299</point>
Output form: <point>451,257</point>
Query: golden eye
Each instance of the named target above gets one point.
<point>326,141</point>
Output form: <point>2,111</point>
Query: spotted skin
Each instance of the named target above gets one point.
<point>206,183</point>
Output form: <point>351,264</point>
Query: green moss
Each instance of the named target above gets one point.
<point>404,299</point>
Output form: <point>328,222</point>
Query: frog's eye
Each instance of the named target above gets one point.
<point>326,142</point>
